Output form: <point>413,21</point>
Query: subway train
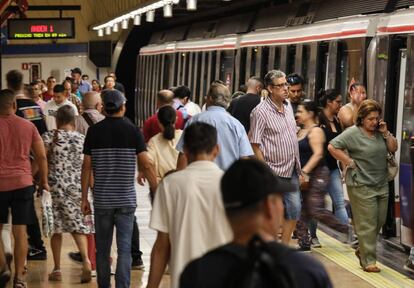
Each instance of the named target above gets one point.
<point>330,43</point>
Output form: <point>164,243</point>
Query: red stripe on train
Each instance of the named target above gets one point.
<point>308,38</point>
<point>396,29</point>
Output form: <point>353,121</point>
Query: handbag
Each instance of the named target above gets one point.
<point>392,167</point>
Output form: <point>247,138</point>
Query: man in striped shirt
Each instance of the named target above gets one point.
<point>112,148</point>
<point>274,141</point>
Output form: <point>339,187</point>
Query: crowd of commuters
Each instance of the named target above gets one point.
<point>227,182</point>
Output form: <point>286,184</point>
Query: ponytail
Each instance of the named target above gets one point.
<point>325,95</point>
<point>169,132</point>
<point>167,115</point>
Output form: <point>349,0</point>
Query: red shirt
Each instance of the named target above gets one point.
<point>47,96</point>
<point>151,127</point>
<point>16,138</point>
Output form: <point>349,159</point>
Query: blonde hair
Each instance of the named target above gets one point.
<point>366,107</point>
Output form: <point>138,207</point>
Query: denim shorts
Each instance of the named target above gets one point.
<point>292,201</point>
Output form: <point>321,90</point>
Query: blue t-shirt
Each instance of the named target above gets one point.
<point>231,136</point>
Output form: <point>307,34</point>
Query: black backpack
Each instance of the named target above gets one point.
<point>262,267</point>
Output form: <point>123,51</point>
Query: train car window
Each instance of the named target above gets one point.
<point>176,68</point>
<point>227,68</point>
<point>305,66</point>
<point>186,69</point>
<point>291,55</point>
<point>350,63</point>
<point>264,62</point>
<point>197,94</point>
<point>321,65</point>
<point>277,58</point>
<point>255,51</point>
<point>213,67</point>
<point>242,68</point>
<point>381,68</point>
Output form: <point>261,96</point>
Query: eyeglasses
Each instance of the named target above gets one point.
<point>281,85</point>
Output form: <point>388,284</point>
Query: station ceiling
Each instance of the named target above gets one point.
<point>95,12</point>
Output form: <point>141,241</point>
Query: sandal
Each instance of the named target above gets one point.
<point>56,275</point>
<point>372,269</point>
<point>86,276</point>
<point>19,283</point>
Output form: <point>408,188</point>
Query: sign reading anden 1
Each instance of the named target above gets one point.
<point>41,28</point>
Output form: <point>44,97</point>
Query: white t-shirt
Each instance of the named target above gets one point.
<point>192,108</point>
<point>50,112</point>
<point>188,206</point>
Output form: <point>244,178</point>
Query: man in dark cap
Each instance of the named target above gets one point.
<point>84,86</point>
<point>253,200</point>
<point>112,147</point>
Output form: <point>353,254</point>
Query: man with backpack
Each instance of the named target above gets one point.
<point>253,200</point>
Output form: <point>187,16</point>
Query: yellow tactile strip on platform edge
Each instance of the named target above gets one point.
<point>344,256</point>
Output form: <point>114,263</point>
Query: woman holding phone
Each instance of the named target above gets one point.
<point>367,145</point>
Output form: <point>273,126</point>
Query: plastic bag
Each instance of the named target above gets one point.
<point>47,214</point>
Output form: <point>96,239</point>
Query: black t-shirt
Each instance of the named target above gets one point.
<point>221,265</point>
<point>241,107</point>
<point>29,110</point>
<point>113,145</point>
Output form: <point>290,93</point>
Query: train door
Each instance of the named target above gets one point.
<point>404,188</point>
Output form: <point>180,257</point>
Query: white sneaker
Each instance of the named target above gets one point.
<point>315,243</point>
<point>409,266</point>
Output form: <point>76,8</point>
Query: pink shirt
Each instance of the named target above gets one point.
<point>16,138</point>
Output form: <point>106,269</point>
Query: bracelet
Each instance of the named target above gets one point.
<point>386,135</point>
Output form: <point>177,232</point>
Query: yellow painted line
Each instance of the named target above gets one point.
<point>343,255</point>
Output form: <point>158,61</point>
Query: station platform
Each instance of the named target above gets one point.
<point>338,258</point>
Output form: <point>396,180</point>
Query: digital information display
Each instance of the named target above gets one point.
<point>41,28</point>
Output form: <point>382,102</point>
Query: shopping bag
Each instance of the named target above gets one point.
<point>47,214</point>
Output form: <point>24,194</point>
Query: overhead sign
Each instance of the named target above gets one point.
<point>41,28</point>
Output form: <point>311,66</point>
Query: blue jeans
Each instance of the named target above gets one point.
<point>292,201</point>
<point>105,221</point>
<point>337,195</point>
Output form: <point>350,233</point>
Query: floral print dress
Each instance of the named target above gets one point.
<point>65,159</point>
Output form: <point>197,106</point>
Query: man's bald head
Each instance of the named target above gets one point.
<point>92,100</point>
<point>165,97</point>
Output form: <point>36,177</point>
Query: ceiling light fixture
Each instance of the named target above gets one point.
<point>149,10</point>
<point>191,5</point>
<point>168,11</point>
<point>150,15</point>
<point>124,24</point>
<point>115,27</point>
<point>137,20</point>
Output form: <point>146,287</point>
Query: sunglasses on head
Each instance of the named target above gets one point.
<point>293,80</point>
